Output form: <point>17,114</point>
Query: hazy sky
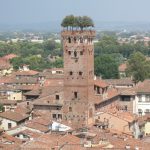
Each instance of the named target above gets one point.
<point>31,11</point>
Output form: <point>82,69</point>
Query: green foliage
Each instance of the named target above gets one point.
<point>1,108</point>
<point>106,66</point>
<point>77,21</point>
<point>35,54</point>
<point>109,45</point>
<point>138,67</point>
<point>106,45</point>
<point>58,63</point>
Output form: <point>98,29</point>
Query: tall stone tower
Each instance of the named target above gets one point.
<point>78,76</point>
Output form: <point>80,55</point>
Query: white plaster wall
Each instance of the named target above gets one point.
<point>5,122</point>
<point>141,105</point>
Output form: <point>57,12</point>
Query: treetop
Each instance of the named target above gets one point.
<point>80,22</point>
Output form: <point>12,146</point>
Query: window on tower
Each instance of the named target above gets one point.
<point>70,109</point>
<point>69,52</point>
<point>80,73</point>
<point>69,40</point>
<point>75,40</point>
<point>75,94</point>
<point>81,52</point>
<point>75,53</point>
<point>81,40</point>
<point>57,97</point>
<point>71,73</point>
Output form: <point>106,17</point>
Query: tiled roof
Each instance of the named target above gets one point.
<point>45,91</point>
<point>47,101</point>
<point>5,137</point>
<point>17,117</point>
<point>23,80</point>
<point>4,64</point>
<point>26,73</point>
<point>127,91</point>
<point>123,81</point>
<point>143,87</point>
<point>100,83</point>
<point>9,56</point>
<point>54,82</point>
<point>8,102</point>
<point>22,110</point>
<point>30,133</point>
<point>37,126</point>
<point>42,120</point>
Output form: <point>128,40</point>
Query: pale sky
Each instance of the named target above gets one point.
<point>32,11</point>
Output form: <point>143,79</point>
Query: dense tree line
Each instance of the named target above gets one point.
<point>138,67</point>
<point>33,54</point>
<point>109,54</point>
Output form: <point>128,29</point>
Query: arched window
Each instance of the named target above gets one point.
<point>75,94</point>
<point>75,39</point>
<point>69,40</point>
<point>81,40</point>
<point>70,109</point>
<point>75,53</point>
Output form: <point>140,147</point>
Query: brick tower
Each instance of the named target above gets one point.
<point>78,76</point>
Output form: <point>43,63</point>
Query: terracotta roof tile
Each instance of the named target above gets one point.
<point>37,126</point>
<point>14,116</point>
<point>123,81</point>
<point>26,73</point>
<point>143,87</point>
<point>10,56</point>
<point>100,83</point>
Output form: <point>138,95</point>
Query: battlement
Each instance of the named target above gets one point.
<point>78,33</point>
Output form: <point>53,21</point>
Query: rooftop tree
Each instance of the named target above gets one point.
<point>77,22</point>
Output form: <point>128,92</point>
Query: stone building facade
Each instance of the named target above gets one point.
<point>78,76</point>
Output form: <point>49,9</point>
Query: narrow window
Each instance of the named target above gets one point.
<point>75,94</point>
<point>69,40</point>
<point>75,40</point>
<point>69,52</point>
<point>9,125</point>
<point>54,116</point>
<point>80,73</point>
<point>71,73</point>
<point>75,53</point>
<point>70,109</point>
<point>81,40</point>
<point>81,52</point>
<point>57,97</point>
